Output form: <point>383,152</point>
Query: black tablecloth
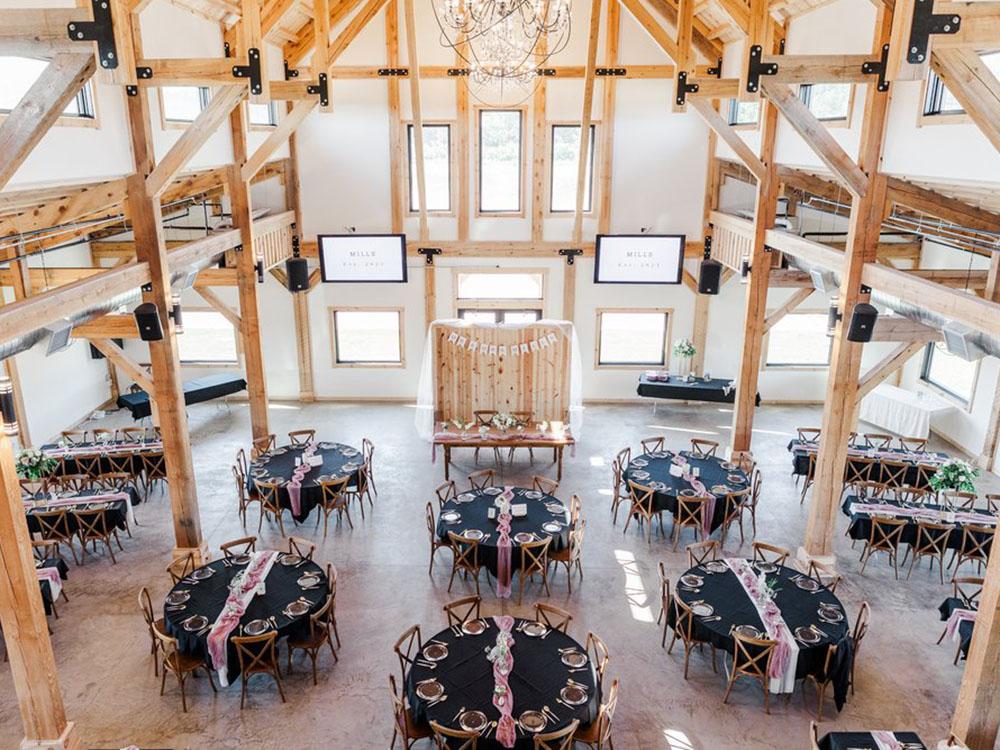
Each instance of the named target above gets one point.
<point>800,463</point>
<point>861,523</point>
<point>861,740</point>
<point>115,513</point>
<point>657,467</point>
<point>965,627</point>
<point>209,596</point>
<point>535,680</point>
<point>46,587</point>
<point>68,465</point>
<point>279,465</point>
<point>195,391</point>
<point>726,595</point>
<point>717,390</point>
<point>474,507</point>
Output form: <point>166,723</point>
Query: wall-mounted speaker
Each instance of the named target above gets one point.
<point>147,318</point>
<point>710,276</point>
<point>862,323</point>
<point>297,270</point>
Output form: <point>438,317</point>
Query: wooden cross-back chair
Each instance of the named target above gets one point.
<point>575,509</point>
<point>446,738</point>
<point>931,542</point>
<point>967,590</point>
<point>270,504</point>
<point>958,500</point>
<point>992,502</point>
<point>462,610</point>
<point>315,638</point>
<point>885,536</point>
<point>825,574</point>
<point>553,617</point>
<point>92,526</point>
<point>334,498</point>
<point>822,679</point>
<point>407,647</point>
<point>913,444</point>
<point>480,480</point>
<point>534,559</point>
<point>753,501</point>
<point>912,495</point>
<point>641,497</point>
<point>301,547</point>
<point>74,437</point>
<point>258,654</point>
<point>923,479</point>
<point>75,483</point>
<point>181,568</point>
<point>301,437</point>
<point>331,587</point>
<point>809,479</point>
<point>54,527</point>
<point>894,473</point>
<point>358,488</point>
<point>404,724</point>
<point>242,546</point>
<point>858,635</point>
<point>154,469</point>
<point>560,739</point>
<point>368,456</point>
<point>241,462</point>
<point>770,553</point>
<point>114,481</point>
<point>179,664</point>
<point>597,734</point>
<point>877,440</point>
<point>89,464</point>
<point>599,655</point>
<point>974,546</point>
<point>684,631</point>
<point>808,434</point>
<point>689,514</point>
<point>152,624</point>
<point>661,570</point>
<point>436,541</point>
<point>131,434</point>
<point>652,444</point>
<point>445,492</point>
<point>751,658</point>
<point>619,485</point>
<point>242,498</point>
<point>261,445</point>
<point>704,448</point>
<point>871,490</point>
<point>121,463</point>
<point>465,557</point>
<point>545,485</point>
<point>735,504</point>
<point>700,553</point>
<point>523,419</point>
<point>102,435</point>
<point>857,472</point>
<point>572,555</point>
<point>484,418</point>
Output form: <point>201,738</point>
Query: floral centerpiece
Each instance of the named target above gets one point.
<point>504,421</point>
<point>463,426</point>
<point>684,349</point>
<point>954,474</point>
<point>32,464</point>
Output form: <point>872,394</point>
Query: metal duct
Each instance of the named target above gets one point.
<point>988,344</point>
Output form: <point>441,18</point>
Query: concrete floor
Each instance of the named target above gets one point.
<point>905,681</point>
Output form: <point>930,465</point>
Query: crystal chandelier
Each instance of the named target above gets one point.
<point>503,42</point>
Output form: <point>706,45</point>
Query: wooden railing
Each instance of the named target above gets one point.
<point>732,239</point>
<point>272,238</point>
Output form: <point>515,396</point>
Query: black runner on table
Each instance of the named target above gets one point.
<point>862,740</point>
<point>537,677</point>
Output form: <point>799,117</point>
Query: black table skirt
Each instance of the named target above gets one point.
<point>965,627</point>
<point>280,467</point>
<point>195,391</point>
<point>725,593</point>
<point>715,390</point>
<point>711,474</point>
<point>474,516</point>
<point>46,587</point>
<point>68,464</point>
<point>115,516</point>
<point>209,596</point>
<point>535,681</point>
<point>860,740</point>
<point>861,523</point>
<point>800,465</point>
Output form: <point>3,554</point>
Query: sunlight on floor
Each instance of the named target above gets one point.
<point>597,461</point>
<point>635,592</point>
<point>284,407</point>
<point>682,429</point>
<point>677,740</point>
<point>606,492</point>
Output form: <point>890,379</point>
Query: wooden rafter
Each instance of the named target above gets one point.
<point>973,84</point>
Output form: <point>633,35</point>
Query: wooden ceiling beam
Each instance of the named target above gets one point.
<point>112,326</point>
<point>818,68</point>
<point>651,26</point>
<point>973,84</point>
<point>39,32</point>
<point>306,36</point>
<point>898,328</point>
<point>729,136</point>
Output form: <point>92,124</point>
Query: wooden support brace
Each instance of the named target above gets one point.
<point>220,307</point>
<point>129,366</point>
<point>796,299</point>
<point>886,367</point>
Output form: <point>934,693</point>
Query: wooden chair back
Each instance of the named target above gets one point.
<point>624,458</point>
<point>92,525</point>
<point>652,444</point>
<point>894,472</point>
<point>535,556</point>
<point>480,480</point>
<point>976,543</point>
<point>752,656</point>
<point>73,482</point>
<point>825,574</point>
<point>241,462</point>
<point>858,471</point>
<point>301,437</point>
<point>545,485</point>
<point>913,444</point>
<point>407,647</point>
<point>146,605</point>
<point>242,546</point>
<point>886,533</point>
<point>301,547</point>
<point>869,490</point>
<point>575,509</point>
<point>958,500</point>
<point>661,570</point>
<point>992,502</point>
<point>262,445</point>
<point>484,417</point>
<point>642,499</point>
<point>445,492</point>
<point>131,434</point>
<point>114,481</point>
<point>877,440</point>
<point>861,624</point>
<point>89,464</point>
<point>154,466</point>
<point>454,739</point>
<point>599,654</point>
<point>770,553</point>
<point>553,617</point>
<point>121,462</point>
<point>932,538</point>
<point>808,434</point>
<point>701,552</point>
<point>181,568</point>
<point>53,525</point>
<point>268,491</point>
<point>258,654</point>
<point>462,610</point>
<point>466,552</point>
<point>74,437</point>
<point>690,512</point>
<point>704,448</point>
<point>332,492</point>
<point>102,435</point>
<point>606,715</point>
<point>560,739</point>
<point>968,589</point>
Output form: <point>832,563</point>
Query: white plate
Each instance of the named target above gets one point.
<point>308,581</point>
<point>177,597</point>
<point>573,695</point>
<point>428,691</point>
<point>533,495</point>
<point>574,659</point>
<point>450,516</point>
<point>534,629</point>
<point>523,537</point>
<point>290,560</point>
<point>472,721</point>
<point>493,490</point>
<point>202,574</point>
<point>638,463</point>
<point>473,534</point>
<point>702,610</point>
<point>640,475</point>
<point>552,527</point>
<point>435,652</point>
<point>196,623</point>
<point>473,627</point>
<point>256,627</point>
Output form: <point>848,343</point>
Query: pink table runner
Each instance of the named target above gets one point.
<point>52,576</point>
<point>95,449</point>
<point>930,514</point>
<point>886,740</point>
<point>242,590</point>
<point>502,657</point>
<point>786,653</point>
<point>957,618</point>
<point>294,485</point>
<point>504,550</point>
<point>699,487</point>
<point>916,457</point>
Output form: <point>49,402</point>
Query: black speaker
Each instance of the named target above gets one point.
<point>862,323</point>
<point>95,353</point>
<point>147,318</point>
<point>297,270</point>
<point>708,279</point>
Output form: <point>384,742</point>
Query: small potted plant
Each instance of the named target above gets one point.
<point>684,350</point>
<point>954,474</point>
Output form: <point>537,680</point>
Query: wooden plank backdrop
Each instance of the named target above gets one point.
<point>536,382</point>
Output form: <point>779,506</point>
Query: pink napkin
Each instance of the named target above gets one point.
<point>503,699</point>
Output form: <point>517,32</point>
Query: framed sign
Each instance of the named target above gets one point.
<point>362,258</point>
<point>639,259</point>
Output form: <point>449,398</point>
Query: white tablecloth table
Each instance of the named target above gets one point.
<point>906,413</point>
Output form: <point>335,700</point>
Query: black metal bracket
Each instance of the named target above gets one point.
<point>865,289</point>
<point>610,72</point>
<point>926,22</point>
<point>429,253</point>
<point>545,72</point>
<point>251,70</point>
<point>708,246</point>
<point>715,70</point>
<point>454,72</point>
<point>100,30</point>
<point>259,268</point>
<point>322,88</point>
<point>570,254</point>
<point>290,72</point>
<point>238,248</point>
<point>147,287</point>
<point>781,46</point>
<point>756,68</point>
<point>296,247</point>
<point>393,72</point>
<point>684,88</point>
<point>142,72</point>
<point>878,67</point>
<point>227,51</point>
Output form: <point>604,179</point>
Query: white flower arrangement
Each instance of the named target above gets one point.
<point>955,474</point>
<point>500,650</point>
<point>684,348</point>
<point>463,425</point>
<point>504,421</point>
<point>32,464</point>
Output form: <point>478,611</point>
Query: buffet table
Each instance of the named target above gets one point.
<point>716,390</point>
<point>906,413</point>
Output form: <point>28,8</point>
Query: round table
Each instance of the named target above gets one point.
<point>724,593</point>
<point>278,465</point>
<point>537,677</point>
<point>718,476</point>
<point>208,596</point>
<point>473,513</point>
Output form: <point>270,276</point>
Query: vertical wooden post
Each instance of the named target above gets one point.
<point>398,152</point>
<point>300,300</point>
<point>604,173</point>
<point>702,302</point>
<point>539,138</point>
<point>462,145</point>
<point>26,631</point>
<point>987,456</point>
<point>840,408</point>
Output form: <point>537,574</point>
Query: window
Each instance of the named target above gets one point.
<point>829,102</point>
<point>264,115</point>
<point>367,337</point>
<point>743,113</point>
<point>939,101</point>
<point>509,296</point>
<point>437,167</point>
<point>183,103</point>
<point>501,151</point>
<point>632,338</point>
<point>18,74</point>
<point>949,372</point>
<point>503,317</point>
<point>799,340</point>
<point>208,338</point>
<point>565,167</point>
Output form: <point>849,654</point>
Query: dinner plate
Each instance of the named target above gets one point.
<point>428,691</point>
<point>720,489</point>
<point>523,537</point>
<point>473,534</point>
<point>435,652</point>
<point>290,559</point>
<point>349,467</point>
<point>765,567</point>
<point>807,635</point>
<point>450,516</point>
<point>736,478</point>
<point>660,454</point>
<point>195,623</point>
<point>692,580</point>
<point>178,597</point>
<point>202,573</point>
<point>640,475</point>
<point>702,610</point>
<point>308,581</point>
<point>349,452</point>
<point>256,627</point>
<point>573,695</point>
<point>727,465</point>
<point>747,631</point>
<point>830,614</point>
<point>555,508</point>
<point>638,463</point>
<point>574,659</point>
<point>688,492</point>
<point>241,559</point>
<point>807,584</point>
<point>534,629</point>
<point>466,497</point>
<point>552,527</point>
<point>716,566</point>
<point>660,486</point>
<point>296,609</point>
<point>493,490</point>
<point>532,721</point>
<point>472,721</point>
<point>473,627</point>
